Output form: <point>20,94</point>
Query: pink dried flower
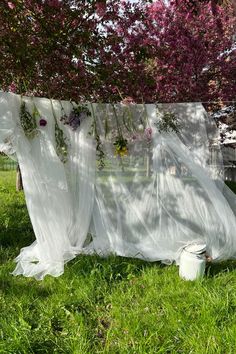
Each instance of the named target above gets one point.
<point>148,133</point>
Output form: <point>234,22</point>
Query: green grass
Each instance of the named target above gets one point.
<point>231,185</point>
<point>113,305</point>
<point>6,163</point>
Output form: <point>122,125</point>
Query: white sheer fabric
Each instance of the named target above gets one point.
<point>55,192</point>
<point>153,214</point>
<point>7,123</point>
<point>148,204</point>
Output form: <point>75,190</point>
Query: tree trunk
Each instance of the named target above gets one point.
<point>19,184</point>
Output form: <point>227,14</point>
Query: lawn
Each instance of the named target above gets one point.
<point>113,305</point>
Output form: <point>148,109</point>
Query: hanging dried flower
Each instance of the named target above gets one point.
<point>168,122</point>
<point>43,122</point>
<point>61,144</point>
<point>28,121</point>
<point>76,116</point>
<point>100,153</point>
<point>148,133</point>
<point>121,147</point>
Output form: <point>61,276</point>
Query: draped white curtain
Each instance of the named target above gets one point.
<point>59,196</point>
<point>149,204</point>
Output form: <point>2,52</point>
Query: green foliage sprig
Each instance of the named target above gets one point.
<point>81,108</point>
<point>169,122</point>
<point>62,149</point>
<point>99,146</point>
<point>100,153</point>
<point>28,121</point>
<point>62,146</point>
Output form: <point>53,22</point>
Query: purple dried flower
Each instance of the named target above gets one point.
<point>43,122</point>
<point>75,118</point>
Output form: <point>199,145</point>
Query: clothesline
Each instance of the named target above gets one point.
<point>223,101</point>
<point>213,102</point>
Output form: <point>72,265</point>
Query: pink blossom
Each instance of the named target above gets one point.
<point>128,100</point>
<point>101,8</point>
<point>53,3</point>
<point>148,52</point>
<point>12,87</point>
<point>11,5</point>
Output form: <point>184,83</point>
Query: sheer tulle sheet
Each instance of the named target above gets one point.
<point>165,193</point>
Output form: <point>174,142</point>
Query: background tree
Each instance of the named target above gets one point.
<point>47,47</point>
<point>90,50</point>
<point>174,54</point>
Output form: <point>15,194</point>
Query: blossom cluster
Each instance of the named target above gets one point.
<point>152,51</point>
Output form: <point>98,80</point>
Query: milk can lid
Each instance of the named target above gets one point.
<point>196,248</point>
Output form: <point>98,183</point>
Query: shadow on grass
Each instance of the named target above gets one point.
<point>112,269</point>
<point>18,238</point>
<point>93,270</point>
<point>214,269</point>
<point>16,287</point>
